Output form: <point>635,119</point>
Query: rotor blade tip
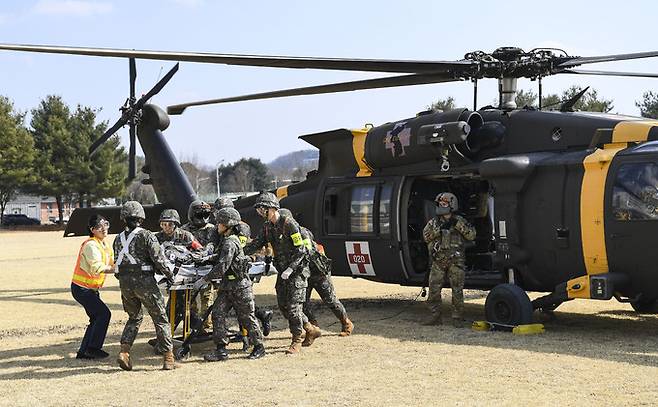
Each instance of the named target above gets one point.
<point>174,110</point>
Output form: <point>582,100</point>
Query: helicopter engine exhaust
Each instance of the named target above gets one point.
<point>433,135</point>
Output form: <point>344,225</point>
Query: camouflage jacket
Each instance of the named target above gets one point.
<point>319,263</point>
<point>287,242</point>
<point>447,242</point>
<point>146,252</point>
<point>230,264</point>
<point>180,237</point>
<point>206,235</point>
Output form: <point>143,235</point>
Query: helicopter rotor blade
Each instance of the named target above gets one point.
<point>131,153</point>
<point>133,77</point>
<point>610,73</point>
<point>273,61</point>
<point>606,58</point>
<point>388,82</point>
<point>102,139</point>
<point>157,88</point>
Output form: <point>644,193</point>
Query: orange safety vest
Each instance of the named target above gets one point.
<point>84,279</point>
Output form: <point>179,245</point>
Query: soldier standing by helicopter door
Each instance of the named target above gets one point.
<point>445,235</point>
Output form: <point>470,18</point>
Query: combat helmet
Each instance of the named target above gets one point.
<point>267,200</point>
<point>228,217</point>
<point>446,202</point>
<point>132,209</point>
<point>285,212</point>
<point>198,212</point>
<point>223,202</point>
<point>170,215</point>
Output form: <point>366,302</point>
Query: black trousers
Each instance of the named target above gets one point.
<point>99,317</point>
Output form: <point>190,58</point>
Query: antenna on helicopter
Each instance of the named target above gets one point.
<point>130,114</point>
<point>567,106</point>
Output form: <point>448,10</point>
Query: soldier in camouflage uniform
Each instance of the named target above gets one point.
<point>320,280</point>
<point>445,235</point>
<point>205,233</point>
<point>291,260</point>
<point>172,233</point>
<point>243,232</point>
<point>234,290</point>
<point>139,256</point>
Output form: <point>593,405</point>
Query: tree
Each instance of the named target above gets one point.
<point>247,174</point>
<point>64,168</point>
<point>443,104</point>
<point>525,98</point>
<point>649,105</point>
<point>16,154</point>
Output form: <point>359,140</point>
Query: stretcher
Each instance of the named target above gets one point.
<point>185,275</point>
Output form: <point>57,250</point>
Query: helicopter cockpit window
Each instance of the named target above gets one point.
<point>635,193</point>
<point>362,209</point>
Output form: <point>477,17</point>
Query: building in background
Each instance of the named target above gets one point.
<point>43,208</point>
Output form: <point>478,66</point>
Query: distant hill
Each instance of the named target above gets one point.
<point>295,165</point>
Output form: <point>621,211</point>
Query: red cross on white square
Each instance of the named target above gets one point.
<point>358,258</point>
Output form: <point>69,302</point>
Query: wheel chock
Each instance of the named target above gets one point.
<point>528,329</point>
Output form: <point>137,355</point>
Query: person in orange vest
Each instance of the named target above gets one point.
<point>95,259</point>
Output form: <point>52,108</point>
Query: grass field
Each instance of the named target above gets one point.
<point>595,353</point>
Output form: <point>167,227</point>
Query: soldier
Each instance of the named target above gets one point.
<point>139,256</point>
<point>445,235</point>
<point>243,232</point>
<point>198,215</point>
<point>320,280</point>
<point>172,232</point>
<point>291,260</point>
<point>234,290</point>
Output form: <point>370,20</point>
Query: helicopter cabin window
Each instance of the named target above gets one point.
<point>635,192</point>
<point>336,200</point>
<point>385,209</point>
<point>362,209</point>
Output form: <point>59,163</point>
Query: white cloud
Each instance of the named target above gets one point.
<point>78,8</point>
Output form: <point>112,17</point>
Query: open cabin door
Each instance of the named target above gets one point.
<point>417,207</point>
<point>359,227</point>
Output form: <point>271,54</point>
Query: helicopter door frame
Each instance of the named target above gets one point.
<point>381,235</point>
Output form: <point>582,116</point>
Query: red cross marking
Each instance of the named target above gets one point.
<point>358,258</point>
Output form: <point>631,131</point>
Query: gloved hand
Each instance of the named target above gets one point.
<point>449,223</point>
<point>170,281</point>
<point>286,273</point>
<point>199,284</point>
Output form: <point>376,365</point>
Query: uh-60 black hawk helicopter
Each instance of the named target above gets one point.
<point>563,202</point>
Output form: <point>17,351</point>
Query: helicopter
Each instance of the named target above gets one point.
<point>563,202</point>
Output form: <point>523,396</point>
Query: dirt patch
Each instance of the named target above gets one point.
<point>595,353</point>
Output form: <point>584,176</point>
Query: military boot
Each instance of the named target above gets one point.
<point>312,333</point>
<point>219,355</point>
<point>168,362</point>
<point>124,357</point>
<point>434,320</point>
<point>295,345</point>
<point>265,318</point>
<point>348,327</point>
<point>258,352</point>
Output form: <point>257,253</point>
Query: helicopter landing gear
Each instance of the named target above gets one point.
<point>508,304</point>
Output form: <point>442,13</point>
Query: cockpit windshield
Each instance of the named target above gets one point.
<point>635,192</point>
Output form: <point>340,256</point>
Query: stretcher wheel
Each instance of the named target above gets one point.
<point>183,352</point>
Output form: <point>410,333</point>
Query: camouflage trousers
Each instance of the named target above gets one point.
<point>139,289</point>
<point>242,300</point>
<point>290,297</point>
<point>455,273</point>
<point>321,283</point>
<point>204,300</point>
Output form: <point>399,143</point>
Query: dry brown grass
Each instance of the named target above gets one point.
<point>596,353</point>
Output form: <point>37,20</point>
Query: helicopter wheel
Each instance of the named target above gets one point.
<point>508,304</point>
<point>645,307</point>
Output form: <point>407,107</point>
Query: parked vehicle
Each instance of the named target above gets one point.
<point>12,219</point>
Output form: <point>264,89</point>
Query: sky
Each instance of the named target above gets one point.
<point>422,30</point>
